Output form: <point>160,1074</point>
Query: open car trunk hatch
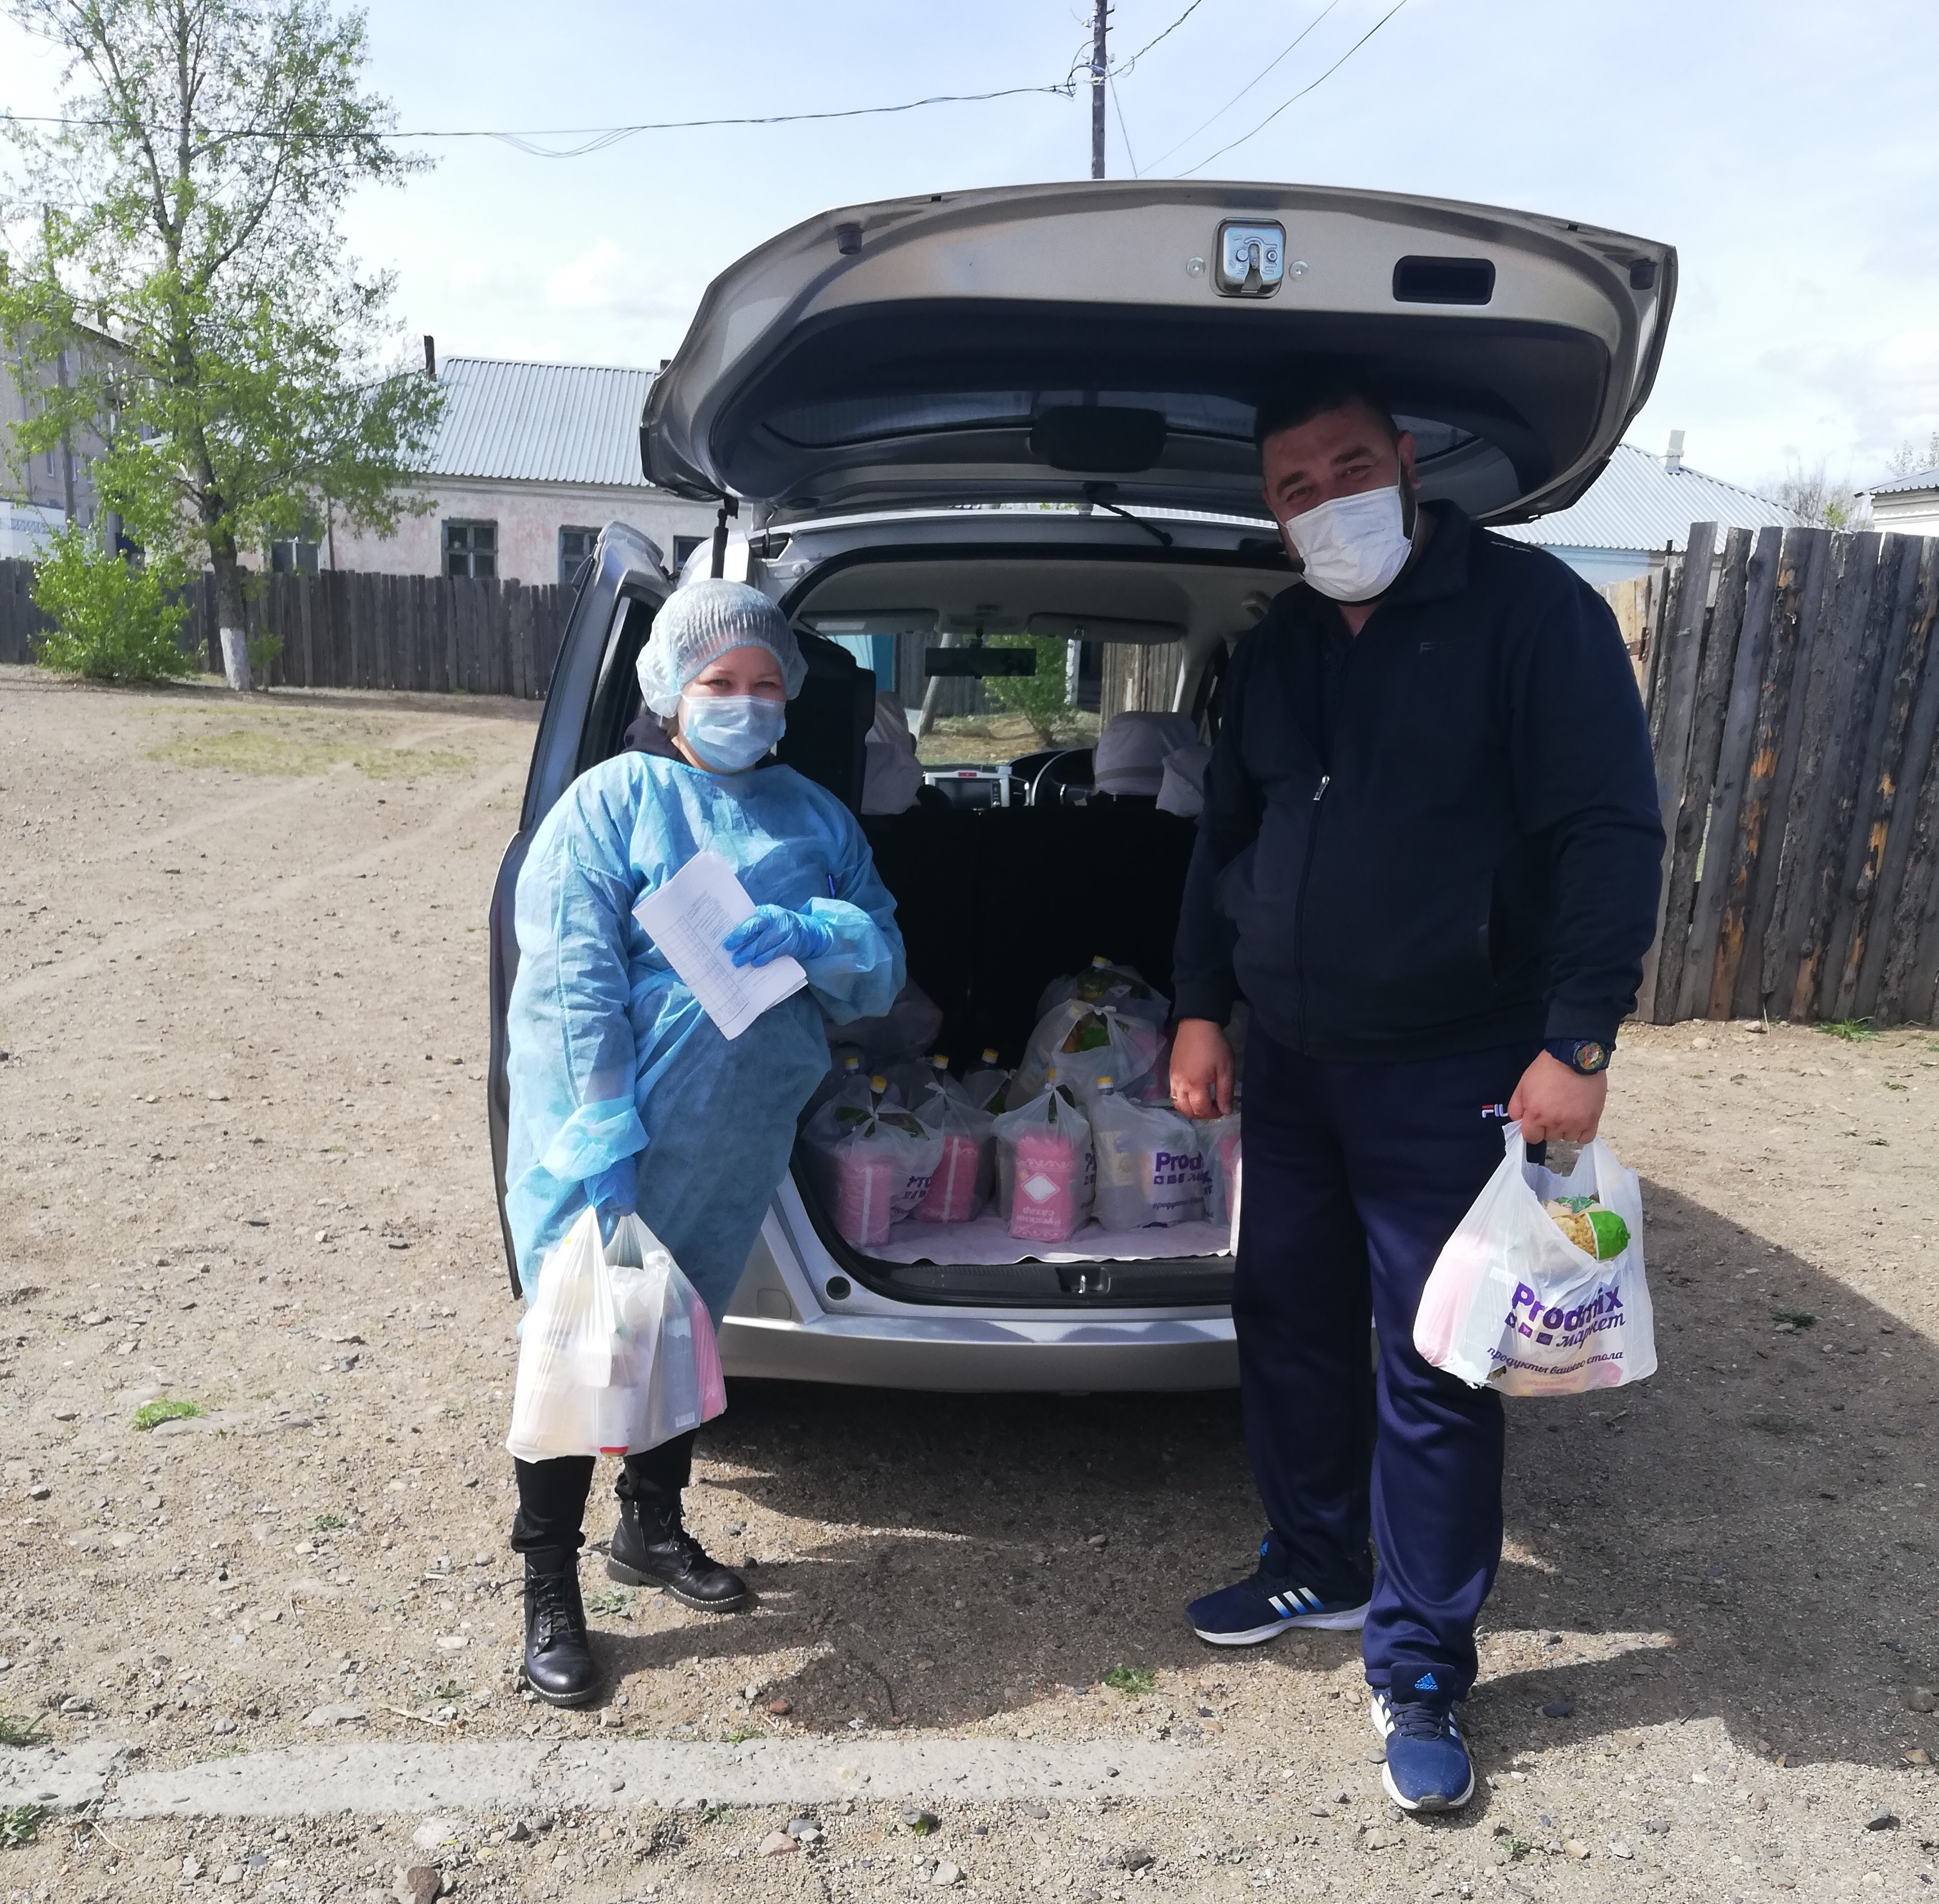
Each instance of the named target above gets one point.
<point>1111,340</point>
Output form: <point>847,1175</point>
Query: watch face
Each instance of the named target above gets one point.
<point>1590,1057</point>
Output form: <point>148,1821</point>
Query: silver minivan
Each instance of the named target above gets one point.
<point>1030,410</point>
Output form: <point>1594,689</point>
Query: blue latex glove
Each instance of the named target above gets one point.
<point>771,932</point>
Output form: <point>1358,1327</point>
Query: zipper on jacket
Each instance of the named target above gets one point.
<point>1299,914</point>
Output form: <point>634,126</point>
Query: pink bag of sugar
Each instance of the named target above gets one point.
<point>1046,1166</point>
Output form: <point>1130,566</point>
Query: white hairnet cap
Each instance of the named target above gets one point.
<point>703,621</point>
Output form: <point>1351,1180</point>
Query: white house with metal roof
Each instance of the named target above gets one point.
<point>1906,505</point>
<point>530,461</point>
<point>1640,506</point>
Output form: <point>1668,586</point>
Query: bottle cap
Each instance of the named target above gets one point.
<point>1098,962</point>
<point>939,1061</point>
<point>1104,1084</point>
<point>877,1082</point>
<point>851,1063</point>
<point>989,1054</point>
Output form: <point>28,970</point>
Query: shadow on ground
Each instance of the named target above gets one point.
<point>1756,1504</point>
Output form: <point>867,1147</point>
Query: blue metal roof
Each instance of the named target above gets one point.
<point>1918,479</point>
<point>515,423</point>
<point>1638,503</point>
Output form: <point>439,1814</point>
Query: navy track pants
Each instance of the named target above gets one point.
<point>1355,1175</point>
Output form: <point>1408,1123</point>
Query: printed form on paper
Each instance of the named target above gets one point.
<point>688,917</point>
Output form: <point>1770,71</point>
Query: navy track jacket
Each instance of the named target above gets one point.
<point>1438,835</point>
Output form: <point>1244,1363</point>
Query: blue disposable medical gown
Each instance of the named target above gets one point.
<point>623,1091</point>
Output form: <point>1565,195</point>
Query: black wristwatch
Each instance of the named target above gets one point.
<point>1584,1056</point>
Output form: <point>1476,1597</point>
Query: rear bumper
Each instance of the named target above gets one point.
<point>782,1324</point>
<point>980,1355</point>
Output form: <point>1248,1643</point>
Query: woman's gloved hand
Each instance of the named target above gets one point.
<point>771,932</point>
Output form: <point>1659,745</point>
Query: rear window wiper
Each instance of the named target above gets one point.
<point>1099,495</point>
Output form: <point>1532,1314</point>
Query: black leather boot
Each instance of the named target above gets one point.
<point>652,1547</point>
<point>558,1661</point>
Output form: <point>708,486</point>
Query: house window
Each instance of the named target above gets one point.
<point>684,546</point>
<point>574,546</point>
<point>471,549</point>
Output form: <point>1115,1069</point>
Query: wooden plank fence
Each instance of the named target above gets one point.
<point>1795,718</point>
<point>432,633</point>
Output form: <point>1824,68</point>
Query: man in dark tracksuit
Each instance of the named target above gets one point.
<point>1428,859</point>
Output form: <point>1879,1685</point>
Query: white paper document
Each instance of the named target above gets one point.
<point>687,919</point>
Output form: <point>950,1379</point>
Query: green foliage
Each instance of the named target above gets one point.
<point>1797,1318</point>
<point>1853,1031</point>
<point>1040,698</point>
<point>328,1523</point>
<point>17,1825</point>
<point>18,1731</point>
<point>231,369</point>
<point>1134,1681</point>
<point>112,621</point>
<point>263,650</point>
<point>152,1414</point>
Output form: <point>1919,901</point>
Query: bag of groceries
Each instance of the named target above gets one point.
<point>873,1160</point>
<point>1540,1290</point>
<point>1105,982</point>
<point>1045,1166</point>
<point>1151,1164</point>
<point>1083,1042</point>
<point>616,1352</point>
<point>961,1184</point>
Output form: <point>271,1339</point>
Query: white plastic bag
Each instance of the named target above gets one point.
<point>1102,982</point>
<point>1045,1167</point>
<point>1151,1165</point>
<point>1513,1305</point>
<point>1083,1042</point>
<point>1220,1137</point>
<point>961,1184</point>
<point>616,1352</point>
<point>873,1162</point>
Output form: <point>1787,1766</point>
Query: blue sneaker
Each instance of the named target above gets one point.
<point>1269,1604</point>
<point>1427,1767</point>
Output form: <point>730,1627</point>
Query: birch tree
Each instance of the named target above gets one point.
<point>179,231</point>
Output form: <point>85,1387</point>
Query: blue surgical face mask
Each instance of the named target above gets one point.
<point>731,732</point>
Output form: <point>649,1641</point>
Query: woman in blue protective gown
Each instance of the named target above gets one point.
<point>624,1094</point>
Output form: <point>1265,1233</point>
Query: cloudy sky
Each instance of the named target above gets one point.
<point>1788,150</point>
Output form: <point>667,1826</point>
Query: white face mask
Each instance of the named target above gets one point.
<point>1352,546</point>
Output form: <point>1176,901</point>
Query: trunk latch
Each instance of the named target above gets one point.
<point>1252,260</point>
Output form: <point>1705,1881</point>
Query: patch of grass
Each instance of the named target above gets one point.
<point>18,1825</point>
<point>18,1731</point>
<point>298,756</point>
<point>1853,1031</point>
<point>152,1414</point>
<point>1134,1681</point>
<point>734,1734</point>
<point>610,1600</point>
<point>1896,1084</point>
<point>329,1523</point>
<point>1797,1318</point>
<point>442,1694</point>
<point>1778,1424</point>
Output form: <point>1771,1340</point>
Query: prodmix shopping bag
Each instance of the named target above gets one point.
<point>1514,1304</point>
<point>616,1352</point>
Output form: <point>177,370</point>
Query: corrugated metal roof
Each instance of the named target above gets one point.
<point>1637,504</point>
<point>516,422</point>
<point>1919,479</point>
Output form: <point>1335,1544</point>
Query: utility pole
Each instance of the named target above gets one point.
<point>1099,16</point>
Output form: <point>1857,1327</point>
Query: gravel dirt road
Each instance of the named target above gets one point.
<point>243,1002</point>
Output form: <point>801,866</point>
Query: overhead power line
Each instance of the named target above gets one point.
<point>595,138</point>
<point>1277,59</point>
<point>1120,70</point>
<point>1234,144</point>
